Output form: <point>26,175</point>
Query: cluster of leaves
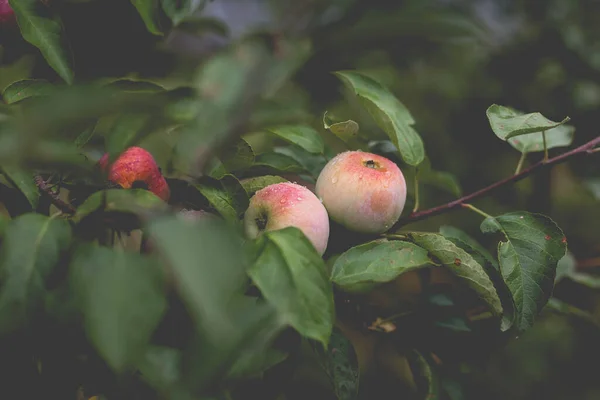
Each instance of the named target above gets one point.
<point>125,298</point>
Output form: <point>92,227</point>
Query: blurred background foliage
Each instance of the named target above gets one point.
<point>447,61</point>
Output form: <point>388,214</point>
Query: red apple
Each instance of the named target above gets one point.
<point>7,15</point>
<point>286,204</point>
<point>362,191</point>
<point>137,165</point>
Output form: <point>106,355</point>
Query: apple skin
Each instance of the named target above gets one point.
<point>137,164</point>
<point>7,15</point>
<point>361,191</point>
<point>286,204</point>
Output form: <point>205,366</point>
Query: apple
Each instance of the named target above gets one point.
<point>137,165</point>
<point>361,191</point>
<point>7,15</point>
<point>286,204</point>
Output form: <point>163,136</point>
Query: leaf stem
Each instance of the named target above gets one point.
<point>477,210</point>
<point>596,150</point>
<point>521,162</point>
<point>416,182</point>
<point>545,147</point>
<point>586,148</point>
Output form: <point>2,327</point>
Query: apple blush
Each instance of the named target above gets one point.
<point>361,191</point>
<point>286,204</point>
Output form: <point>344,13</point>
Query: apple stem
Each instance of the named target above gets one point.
<point>521,162</point>
<point>477,210</point>
<point>416,182</point>
<point>261,222</point>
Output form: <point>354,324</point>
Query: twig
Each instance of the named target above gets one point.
<point>57,201</point>
<point>587,148</point>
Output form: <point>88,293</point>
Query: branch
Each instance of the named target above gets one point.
<point>57,201</point>
<point>587,148</point>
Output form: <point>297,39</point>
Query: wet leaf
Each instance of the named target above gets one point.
<point>362,267</point>
<point>528,259</point>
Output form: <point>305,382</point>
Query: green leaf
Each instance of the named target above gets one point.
<point>135,86</point>
<point>253,185</point>
<point>24,181</point>
<point>278,162</point>
<point>21,90</point>
<point>480,253</point>
<point>161,367</point>
<point>345,130</point>
<point>292,277</point>
<point>425,375</point>
<point>440,179</point>
<point>208,265</point>
<point>362,267</point>
<point>566,269</point>
<point>340,362</point>
<point>461,264</point>
<point>179,10</point>
<point>122,300</point>
<point>251,364</point>
<point>528,259</point>
<point>301,135</point>
<point>489,263</point>
<point>567,266</point>
<point>389,114</point>
<point>85,136</point>
<point>126,131</point>
<point>201,25</point>
<point>593,185</point>
<point>229,85</point>
<point>507,122</point>
<point>31,249</point>
<point>561,136</point>
<point>226,195</point>
<point>237,157</point>
<point>148,10</point>
<point>135,201</point>
<point>4,222</point>
<point>207,261</point>
<point>45,32</point>
<point>312,163</point>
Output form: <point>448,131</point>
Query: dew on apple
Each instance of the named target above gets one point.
<point>301,209</point>
<point>366,202</point>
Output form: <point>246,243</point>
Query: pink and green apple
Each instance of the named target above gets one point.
<point>286,204</point>
<point>362,191</point>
